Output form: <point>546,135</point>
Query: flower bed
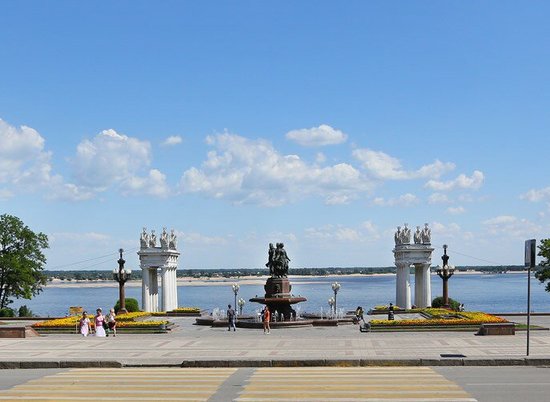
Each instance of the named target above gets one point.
<point>124,321</point>
<point>441,318</point>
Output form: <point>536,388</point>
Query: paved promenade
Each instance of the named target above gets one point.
<point>191,345</point>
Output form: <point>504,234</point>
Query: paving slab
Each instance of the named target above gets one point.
<point>193,346</point>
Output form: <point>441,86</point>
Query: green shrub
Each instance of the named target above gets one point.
<point>438,302</point>
<point>24,311</point>
<point>132,305</point>
<point>7,312</point>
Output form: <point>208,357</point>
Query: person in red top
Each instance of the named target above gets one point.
<point>266,314</point>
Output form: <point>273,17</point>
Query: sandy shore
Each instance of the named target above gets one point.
<point>217,281</point>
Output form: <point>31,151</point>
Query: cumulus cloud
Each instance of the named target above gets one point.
<point>456,210</point>
<point>512,226</point>
<point>386,167</point>
<point>25,165</point>
<point>154,184</point>
<point>109,158</point>
<point>116,160</point>
<point>5,194</point>
<point>404,200</point>
<point>462,181</point>
<point>438,198</point>
<point>317,136</point>
<point>535,195</point>
<point>172,140</point>
<point>365,232</point>
<point>252,171</point>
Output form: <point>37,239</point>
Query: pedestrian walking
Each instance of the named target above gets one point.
<point>390,312</point>
<point>85,327</point>
<point>100,323</point>
<point>111,322</point>
<point>231,315</point>
<point>266,318</point>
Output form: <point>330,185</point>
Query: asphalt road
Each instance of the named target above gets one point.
<point>485,384</point>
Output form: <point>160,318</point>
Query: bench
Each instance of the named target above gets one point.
<point>501,328</point>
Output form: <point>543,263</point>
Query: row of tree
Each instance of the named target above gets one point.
<point>22,263</point>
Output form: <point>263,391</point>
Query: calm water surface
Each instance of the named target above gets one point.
<point>490,293</point>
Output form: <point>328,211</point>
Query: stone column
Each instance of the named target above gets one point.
<point>154,286</point>
<point>427,285</point>
<point>146,290</point>
<point>403,287</point>
<point>423,288</point>
<point>165,281</point>
<point>174,288</point>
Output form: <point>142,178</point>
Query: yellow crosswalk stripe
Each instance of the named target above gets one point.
<point>125,384</point>
<point>265,384</point>
<point>351,384</point>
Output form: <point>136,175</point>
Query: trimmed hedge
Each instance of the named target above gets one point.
<point>132,305</point>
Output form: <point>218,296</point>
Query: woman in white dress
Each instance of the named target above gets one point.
<point>99,320</point>
<point>85,327</point>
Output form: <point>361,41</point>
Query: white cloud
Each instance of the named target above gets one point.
<point>534,195</point>
<point>154,184</point>
<point>172,140</point>
<point>252,171</point>
<point>456,210</point>
<point>320,158</point>
<point>116,160</point>
<point>462,181</point>
<point>438,198</point>
<point>193,238</point>
<point>365,232</point>
<point>109,158</point>
<point>446,231</point>
<point>404,200</point>
<point>25,165</point>
<point>317,136</point>
<point>386,167</point>
<point>5,194</point>
<point>512,226</point>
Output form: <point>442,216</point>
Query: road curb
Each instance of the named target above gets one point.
<point>502,362</point>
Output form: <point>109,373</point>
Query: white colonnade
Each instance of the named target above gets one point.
<point>155,260</point>
<point>418,254</point>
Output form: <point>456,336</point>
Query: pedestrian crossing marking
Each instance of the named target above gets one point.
<point>351,384</point>
<point>265,384</point>
<point>122,384</point>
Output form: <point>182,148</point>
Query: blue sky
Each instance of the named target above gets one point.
<point>317,124</point>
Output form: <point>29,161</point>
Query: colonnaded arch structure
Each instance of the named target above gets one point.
<point>152,260</point>
<point>418,254</point>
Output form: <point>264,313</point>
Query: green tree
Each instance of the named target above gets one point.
<point>543,274</point>
<point>21,260</point>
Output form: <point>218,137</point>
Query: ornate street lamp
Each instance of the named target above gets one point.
<point>331,303</point>
<point>121,276</point>
<point>445,273</point>
<point>335,287</point>
<point>235,288</point>
<point>241,303</point>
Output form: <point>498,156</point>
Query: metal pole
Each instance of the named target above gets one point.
<point>528,307</point>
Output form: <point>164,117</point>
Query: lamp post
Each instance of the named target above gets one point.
<point>331,303</point>
<point>445,273</point>
<point>241,304</point>
<point>335,287</point>
<point>121,276</point>
<point>235,288</point>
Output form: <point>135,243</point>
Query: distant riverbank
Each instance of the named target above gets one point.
<point>241,280</point>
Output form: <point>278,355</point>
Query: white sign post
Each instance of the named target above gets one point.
<point>530,256</point>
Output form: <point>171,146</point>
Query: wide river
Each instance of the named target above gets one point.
<point>480,292</point>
